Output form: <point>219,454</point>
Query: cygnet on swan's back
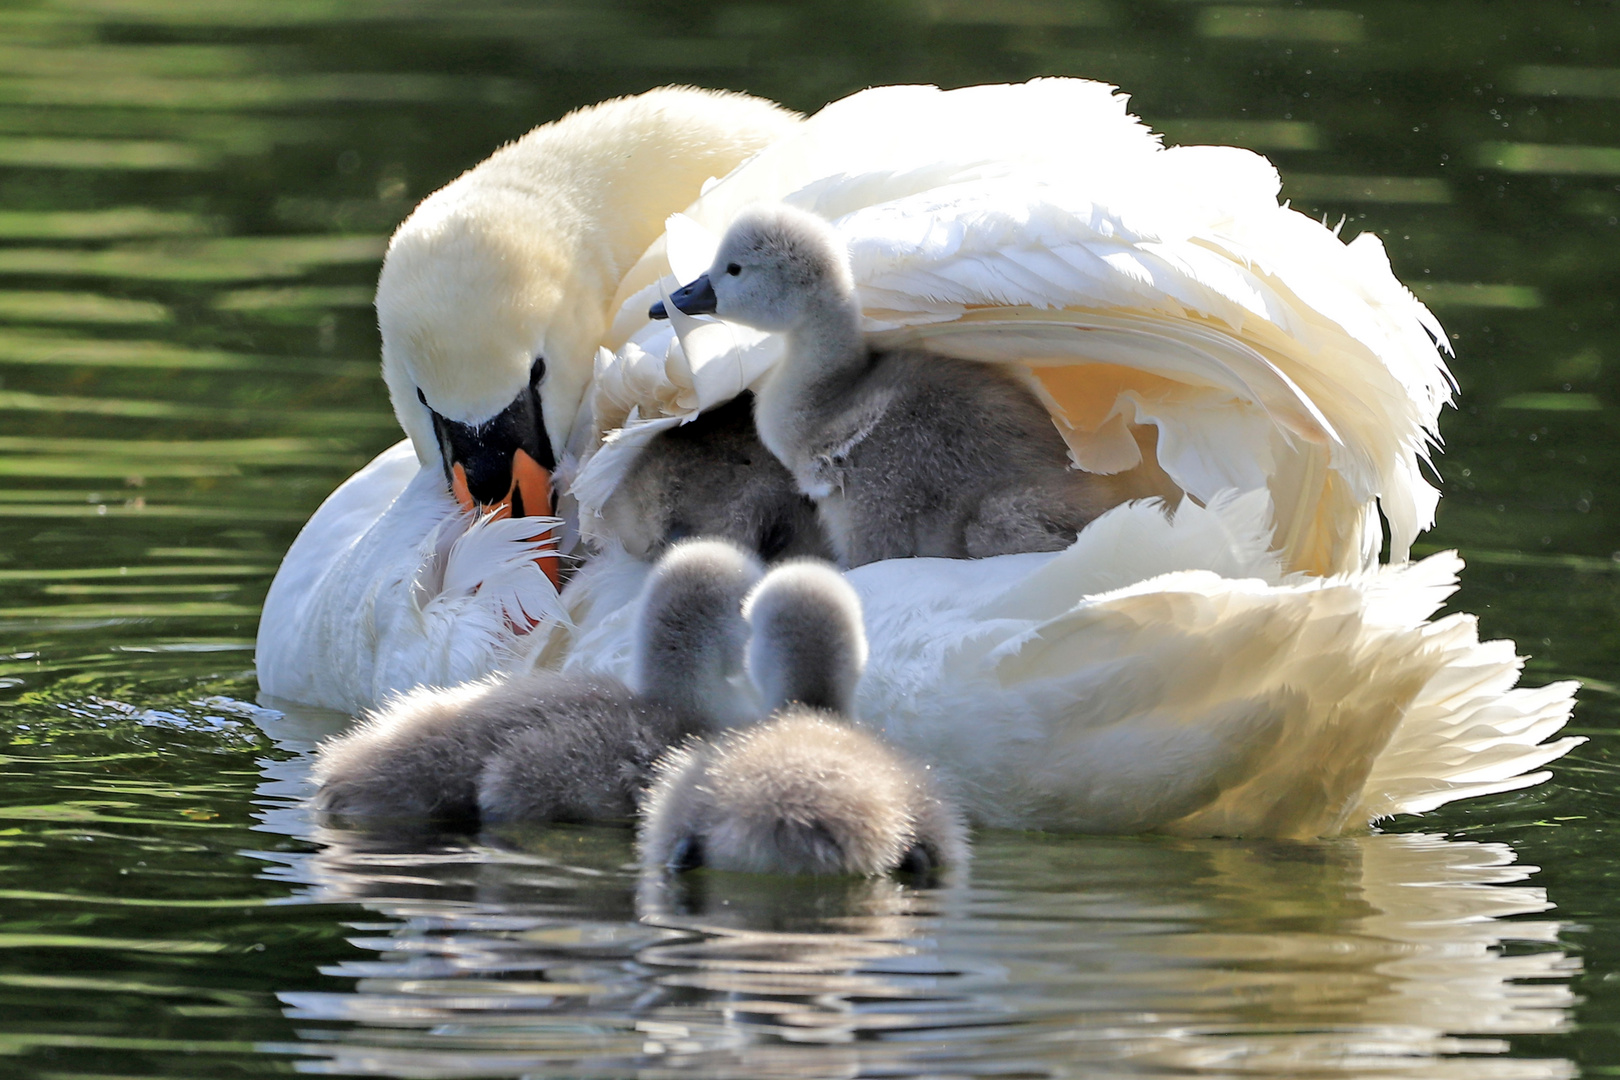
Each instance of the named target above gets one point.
<point>713,477</point>
<point>905,453</point>
<point>552,747</point>
<point>806,791</point>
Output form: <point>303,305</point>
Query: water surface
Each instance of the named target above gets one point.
<point>194,198</point>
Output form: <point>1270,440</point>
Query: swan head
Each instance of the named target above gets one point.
<point>689,649</point>
<point>496,292</point>
<point>483,357</point>
<point>775,268</point>
<point>808,644</point>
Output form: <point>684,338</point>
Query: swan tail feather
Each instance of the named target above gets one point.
<point>1202,705</point>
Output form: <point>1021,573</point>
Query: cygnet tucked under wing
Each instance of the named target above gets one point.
<point>552,747</point>
<point>905,453</point>
<point>713,477</point>
<point>933,456</point>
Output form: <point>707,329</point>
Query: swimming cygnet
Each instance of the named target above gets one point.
<point>806,791</point>
<point>713,477</point>
<point>550,747</point>
<point>906,453</point>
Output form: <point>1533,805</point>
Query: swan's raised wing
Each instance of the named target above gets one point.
<point>1144,287</point>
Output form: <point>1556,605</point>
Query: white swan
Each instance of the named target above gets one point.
<point>493,298</point>
<point>1243,666</point>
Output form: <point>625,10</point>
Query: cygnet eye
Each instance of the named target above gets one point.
<point>687,854</point>
<point>919,863</point>
<point>733,269</point>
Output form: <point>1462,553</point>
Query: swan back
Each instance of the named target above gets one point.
<point>691,635</point>
<point>808,645</point>
<point>1148,289</point>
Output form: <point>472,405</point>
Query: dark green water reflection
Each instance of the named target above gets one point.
<point>194,196</point>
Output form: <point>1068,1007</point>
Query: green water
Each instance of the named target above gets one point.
<point>194,196</point>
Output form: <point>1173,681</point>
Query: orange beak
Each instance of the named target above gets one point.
<point>529,496</point>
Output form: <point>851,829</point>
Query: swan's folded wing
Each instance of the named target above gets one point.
<point>1196,703</point>
<point>1251,337</point>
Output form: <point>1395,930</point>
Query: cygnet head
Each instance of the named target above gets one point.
<point>776,268</point>
<point>808,645</point>
<point>692,634</point>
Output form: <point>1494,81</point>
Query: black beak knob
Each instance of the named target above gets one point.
<point>694,299</point>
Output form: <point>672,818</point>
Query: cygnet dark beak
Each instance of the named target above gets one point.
<point>694,299</point>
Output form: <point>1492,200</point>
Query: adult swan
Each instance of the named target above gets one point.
<point>1243,665</point>
<point>494,296</point>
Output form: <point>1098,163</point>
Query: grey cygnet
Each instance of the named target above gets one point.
<point>713,477</point>
<point>905,453</point>
<point>805,792</point>
<point>549,747</point>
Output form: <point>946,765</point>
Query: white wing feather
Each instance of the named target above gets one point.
<point>390,586</point>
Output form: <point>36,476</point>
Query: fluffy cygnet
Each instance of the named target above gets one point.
<point>806,791</point>
<point>713,477</point>
<point>552,747</point>
<point>906,453</point>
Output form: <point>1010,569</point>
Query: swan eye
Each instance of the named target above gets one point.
<point>733,269</point>
<point>422,397</point>
<point>537,371</point>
